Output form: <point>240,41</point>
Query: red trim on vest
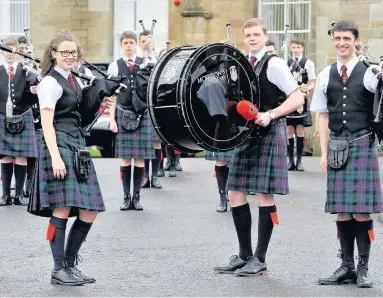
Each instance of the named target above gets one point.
<point>274,218</point>
<point>51,232</point>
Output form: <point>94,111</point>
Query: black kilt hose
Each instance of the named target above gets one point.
<point>356,188</point>
<point>259,165</point>
<point>135,144</point>
<point>21,144</point>
<point>49,193</point>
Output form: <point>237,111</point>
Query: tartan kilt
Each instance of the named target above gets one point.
<point>356,188</point>
<point>48,192</point>
<point>135,144</point>
<point>22,144</point>
<point>156,138</point>
<point>221,156</point>
<point>259,165</point>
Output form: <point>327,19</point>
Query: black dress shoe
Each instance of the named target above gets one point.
<point>299,167</point>
<point>178,167</point>
<point>161,173</point>
<point>222,202</point>
<point>145,183</point>
<point>87,279</point>
<point>342,275</point>
<point>135,204</point>
<point>172,172</point>
<point>291,166</point>
<point>126,202</point>
<point>252,268</point>
<point>155,183</point>
<point>20,201</point>
<point>235,262</point>
<point>5,200</point>
<point>167,166</point>
<point>363,279</point>
<point>66,277</point>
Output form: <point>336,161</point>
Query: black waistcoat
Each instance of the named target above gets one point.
<point>350,106</point>
<point>270,95</point>
<point>124,100</point>
<point>20,94</point>
<point>67,117</point>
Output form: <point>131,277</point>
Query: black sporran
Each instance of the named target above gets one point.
<point>14,124</point>
<point>337,155</point>
<point>130,121</point>
<point>82,164</point>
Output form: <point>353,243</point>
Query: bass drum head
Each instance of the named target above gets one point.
<point>218,77</point>
<point>190,91</point>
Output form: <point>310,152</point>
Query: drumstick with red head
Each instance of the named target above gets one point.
<point>244,109</point>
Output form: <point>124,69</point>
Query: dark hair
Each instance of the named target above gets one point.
<point>22,39</point>
<point>298,41</point>
<point>128,35</point>
<point>48,61</point>
<point>270,43</point>
<point>144,33</point>
<point>254,22</point>
<point>346,26</point>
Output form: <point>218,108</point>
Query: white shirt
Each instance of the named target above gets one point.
<point>113,67</point>
<point>278,73</point>
<point>49,91</point>
<point>319,101</point>
<point>8,66</point>
<point>309,66</point>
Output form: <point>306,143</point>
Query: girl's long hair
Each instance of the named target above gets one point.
<point>48,61</point>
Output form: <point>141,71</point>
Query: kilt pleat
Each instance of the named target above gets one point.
<point>356,188</point>
<point>49,193</point>
<point>221,156</point>
<point>135,144</point>
<point>22,144</point>
<point>259,165</point>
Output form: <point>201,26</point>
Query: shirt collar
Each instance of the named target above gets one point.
<point>126,58</point>
<point>299,57</point>
<point>63,72</point>
<point>259,55</point>
<point>7,65</point>
<point>350,64</point>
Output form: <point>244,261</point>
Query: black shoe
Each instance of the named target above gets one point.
<point>291,166</point>
<point>172,173</point>
<point>252,268</point>
<point>5,200</point>
<point>126,202</point>
<point>178,167</point>
<point>145,183</point>
<point>342,275</point>
<point>363,279</point>
<point>20,201</point>
<point>66,277</point>
<point>167,166</point>
<point>235,262</point>
<point>251,193</point>
<point>222,203</point>
<point>84,277</point>
<point>299,167</point>
<point>155,183</point>
<point>161,173</point>
<point>135,204</point>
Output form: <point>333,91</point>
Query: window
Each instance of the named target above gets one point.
<point>277,13</point>
<point>127,14</point>
<point>14,17</point>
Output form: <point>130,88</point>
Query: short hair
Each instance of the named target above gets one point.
<point>297,41</point>
<point>22,39</point>
<point>253,23</point>
<point>144,33</point>
<point>346,26</point>
<point>128,35</point>
<point>270,43</point>
<point>10,41</point>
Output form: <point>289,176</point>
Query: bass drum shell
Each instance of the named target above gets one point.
<point>190,91</point>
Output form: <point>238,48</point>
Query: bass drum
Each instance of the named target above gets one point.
<point>190,92</point>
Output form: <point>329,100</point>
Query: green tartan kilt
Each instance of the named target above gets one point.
<point>49,193</point>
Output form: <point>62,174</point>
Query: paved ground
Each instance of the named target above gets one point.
<point>171,247</point>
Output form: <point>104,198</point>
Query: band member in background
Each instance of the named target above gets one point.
<point>344,97</point>
<point>153,181</point>
<point>296,123</point>
<point>79,66</point>
<point>137,144</point>
<point>259,165</point>
<point>17,141</point>
<point>270,45</point>
<point>58,192</point>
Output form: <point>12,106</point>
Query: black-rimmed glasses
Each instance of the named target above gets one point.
<point>66,53</point>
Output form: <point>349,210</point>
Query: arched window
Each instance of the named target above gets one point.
<point>277,13</point>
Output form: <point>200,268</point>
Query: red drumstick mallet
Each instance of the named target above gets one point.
<point>247,110</point>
